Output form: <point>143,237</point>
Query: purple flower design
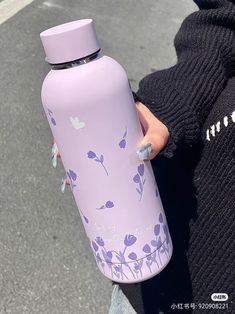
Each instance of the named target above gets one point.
<point>132,256</point>
<point>138,179</point>
<point>138,265</point>
<point>118,271</point>
<point>121,263</point>
<point>118,268</point>
<point>107,256</point>
<point>149,257</point>
<point>96,253</point>
<point>51,117</point>
<point>141,170</point>
<point>156,189</point>
<point>149,264</point>
<point>117,275</point>
<point>100,241</point>
<point>156,244</point>
<point>108,204</point>
<point>150,260</point>
<point>159,242</point>
<point>84,217</point>
<point>92,155</point>
<point>166,231</point>
<point>153,256</point>
<point>122,143</point>
<point>98,257</point>
<point>72,177</point>
<point>147,248</point>
<point>129,240</point>
<point>120,256</point>
<point>157,229</point>
<point>95,246</point>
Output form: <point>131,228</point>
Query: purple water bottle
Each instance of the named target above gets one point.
<point>90,108</point>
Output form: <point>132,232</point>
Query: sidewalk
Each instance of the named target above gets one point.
<point>46,266</point>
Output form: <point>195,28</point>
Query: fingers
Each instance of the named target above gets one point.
<point>64,181</point>
<point>145,151</point>
<point>143,115</point>
<point>54,154</point>
<point>150,146</point>
<point>156,134</point>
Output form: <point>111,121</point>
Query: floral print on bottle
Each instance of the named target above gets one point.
<point>119,263</point>
<point>140,180</point>
<point>92,155</point>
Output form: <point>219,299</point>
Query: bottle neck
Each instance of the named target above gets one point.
<point>75,63</point>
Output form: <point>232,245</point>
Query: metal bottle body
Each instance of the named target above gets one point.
<point>92,115</point>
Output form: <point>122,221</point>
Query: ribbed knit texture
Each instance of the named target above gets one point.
<point>182,95</point>
<point>196,100</point>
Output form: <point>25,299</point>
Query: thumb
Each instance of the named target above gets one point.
<point>156,134</point>
<point>150,146</point>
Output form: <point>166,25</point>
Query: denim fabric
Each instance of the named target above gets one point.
<point>120,303</point>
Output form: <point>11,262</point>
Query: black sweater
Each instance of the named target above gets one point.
<point>195,172</point>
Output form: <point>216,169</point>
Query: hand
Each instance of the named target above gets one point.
<point>55,154</point>
<point>156,134</point>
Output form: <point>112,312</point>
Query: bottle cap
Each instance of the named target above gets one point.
<point>70,41</point>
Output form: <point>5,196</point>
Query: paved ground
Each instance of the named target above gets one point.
<point>45,263</point>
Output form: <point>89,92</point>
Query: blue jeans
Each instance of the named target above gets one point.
<point>119,302</point>
<point>121,305</point>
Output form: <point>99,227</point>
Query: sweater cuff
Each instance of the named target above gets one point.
<point>170,108</point>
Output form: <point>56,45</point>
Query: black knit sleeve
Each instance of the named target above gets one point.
<point>182,96</point>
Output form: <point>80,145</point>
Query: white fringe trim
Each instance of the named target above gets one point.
<point>214,129</point>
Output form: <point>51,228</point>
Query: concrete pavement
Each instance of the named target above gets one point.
<point>46,266</point>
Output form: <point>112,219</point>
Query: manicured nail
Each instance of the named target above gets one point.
<point>54,161</point>
<point>54,155</point>
<point>54,149</point>
<point>144,151</point>
<point>63,185</point>
<point>67,180</point>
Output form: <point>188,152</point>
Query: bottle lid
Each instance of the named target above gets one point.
<point>70,41</point>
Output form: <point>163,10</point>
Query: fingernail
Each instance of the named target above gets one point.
<point>54,161</point>
<point>54,149</point>
<point>144,151</point>
<point>67,180</point>
<point>63,185</point>
<point>54,155</point>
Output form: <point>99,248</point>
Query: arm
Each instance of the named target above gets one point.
<point>182,96</point>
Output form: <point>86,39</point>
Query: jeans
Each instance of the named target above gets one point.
<point>121,305</point>
<point>119,302</point>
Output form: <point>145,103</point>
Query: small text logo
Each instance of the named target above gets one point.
<point>219,297</point>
